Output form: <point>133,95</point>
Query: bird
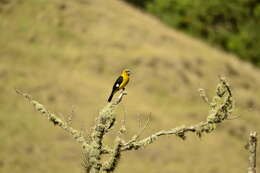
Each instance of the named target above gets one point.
<point>120,83</point>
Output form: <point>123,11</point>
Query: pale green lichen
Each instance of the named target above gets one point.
<point>110,165</point>
<point>55,120</point>
<point>222,103</point>
<point>221,108</point>
<point>104,123</point>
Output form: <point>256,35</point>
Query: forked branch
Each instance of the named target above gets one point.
<point>221,108</point>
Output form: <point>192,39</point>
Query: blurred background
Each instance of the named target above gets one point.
<point>68,54</point>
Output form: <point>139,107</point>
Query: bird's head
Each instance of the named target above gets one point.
<point>127,72</point>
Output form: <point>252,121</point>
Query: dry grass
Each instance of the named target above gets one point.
<point>69,53</point>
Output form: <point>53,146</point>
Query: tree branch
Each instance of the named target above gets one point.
<point>77,135</point>
<point>221,108</point>
<point>252,144</point>
<point>104,123</point>
<point>179,131</point>
<point>111,164</point>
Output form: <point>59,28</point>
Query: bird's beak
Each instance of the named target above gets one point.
<point>129,73</point>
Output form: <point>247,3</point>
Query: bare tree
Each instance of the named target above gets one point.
<point>221,108</point>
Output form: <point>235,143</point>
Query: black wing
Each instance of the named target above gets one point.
<point>118,83</point>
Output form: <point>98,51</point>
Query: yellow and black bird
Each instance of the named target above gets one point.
<point>120,83</point>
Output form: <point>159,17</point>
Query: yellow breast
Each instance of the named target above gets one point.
<point>125,81</point>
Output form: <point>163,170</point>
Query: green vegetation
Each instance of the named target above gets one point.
<point>68,53</point>
<point>233,25</point>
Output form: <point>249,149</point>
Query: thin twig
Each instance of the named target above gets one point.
<point>145,126</point>
<point>234,117</point>
<point>120,97</point>
<point>203,95</point>
<point>123,129</point>
<point>71,115</point>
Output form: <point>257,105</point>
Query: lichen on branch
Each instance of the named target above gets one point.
<point>77,135</point>
<point>221,108</point>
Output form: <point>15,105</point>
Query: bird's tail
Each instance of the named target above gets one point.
<point>111,96</point>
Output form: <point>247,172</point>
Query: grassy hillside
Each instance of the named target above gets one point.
<point>69,53</point>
